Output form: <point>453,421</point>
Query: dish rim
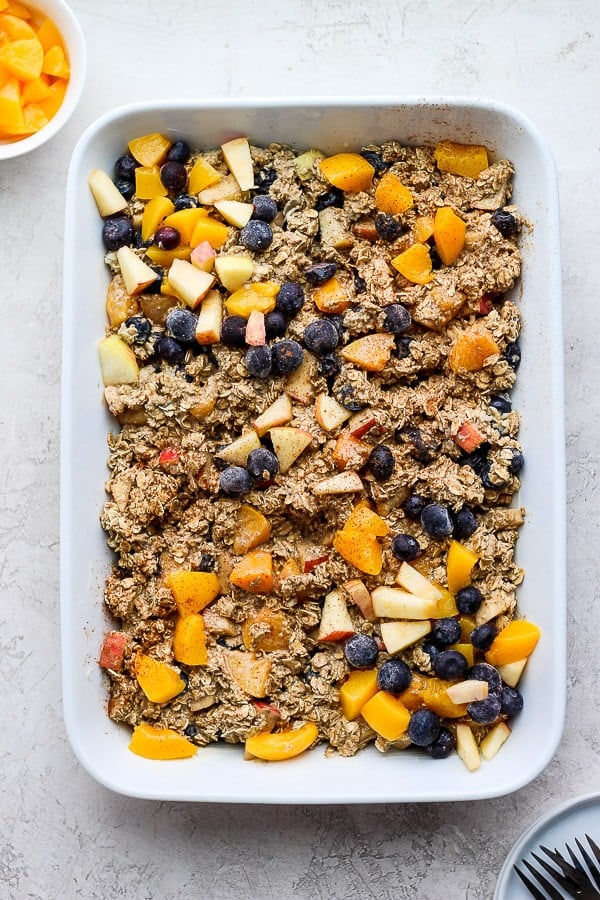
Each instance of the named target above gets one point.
<point>120,115</point>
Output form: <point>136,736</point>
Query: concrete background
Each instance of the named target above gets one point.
<point>61,834</point>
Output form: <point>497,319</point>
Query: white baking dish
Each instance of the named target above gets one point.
<point>219,773</point>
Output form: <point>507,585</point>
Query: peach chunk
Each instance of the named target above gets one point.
<point>252,529</point>
<point>280,745</point>
<point>391,196</point>
<point>461,159</point>
<point>449,234</point>
<point>254,572</point>
<point>472,349</point>
<point>348,171</point>
<point>414,264</point>
<point>371,352</point>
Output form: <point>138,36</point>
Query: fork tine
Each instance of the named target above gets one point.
<point>541,879</point>
<point>576,862</point>
<point>533,890</point>
<point>595,848</point>
<point>588,859</point>
<point>565,881</point>
<point>578,879</point>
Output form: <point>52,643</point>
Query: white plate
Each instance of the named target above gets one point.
<point>573,819</point>
<point>219,773</point>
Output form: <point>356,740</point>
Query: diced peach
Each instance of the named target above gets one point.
<point>52,104</point>
<point>15,28</point>
<point>428,691</point>
<point>165,258</point>
<point>35,90</point>
<point>348,171</point>
<point>361,550</point>
<point>423,229</point>
<point>516,641</point>
<point>55,63</point>
<point>280,745</point>
<point>472,349</point>
<point>459,566</point>
<point>362,518</point>
<point>154,213</point>
<point>461,159</point>
<point>48,35</point>
<point>11,111</point>
<point>254,572</point>
<point>256,295</point>
<point>358,688</point>
<point>391,196</point>
<point>150,149</point>
<point>211,230</point>
<point>193,590</point>
<point>189,640</point>
<point>148,183</point>
<point>151,742</point>
<point>415,264</point>
<point>251,529</point>
<point>119,304</point>
<point>449,234</point>
<point>202,175</point>
<point>266,630</point>
<point>185,220</point>
<point>159,681</point>
<point>23,58</point>
<point>386,715</point>
<point>331,297</point>
<point>371,352</point>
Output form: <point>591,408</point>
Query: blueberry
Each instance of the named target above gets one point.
<point>256,236</point>
<point>319,273</point>
<point>424,727</point>
<point>233,331</point>
<point>430,648</point>
<point>265,208</point>
<point>155,286</point>
<point>287,356</point>
<point>505,222</point>
<point>117,231</point>
<point>142,328</point>
<point>394,676</point>
<point>375,160</point>
<point>170,349</point>
<point>396,318</point>
<point>207,563</point>
<point>345,394</point>
<point>321,336</point>
<point>483,635</point>
<point>434,256</point>
<point>446,631</point>
<point>360,285</point>
<point>174,176</point>
<point>511,701</point>
<point>477,459</point>
<point>468,600</point>
<point>381,462</point>
<point>179,151</point>
<point>290,298</point>
<point>275,324</point>
<point>465,523</point>
<point>235,480</point>
<point>125,167</point>
<point>388,227</point>
<point>484,712</point>
<point>436,521</point>
<point>403,342</point>
<point>501,403</point>
<point>126,187</point>
<point>424,448</point>
<point>330,365</point>
<point>517,462</point>
<point>333,197</point>
<point>259,361</point>
<point>361,651</point>
<point>492,484</point>
<point>512,354</point>
<point>262,465</point>
<point>166,237</point>
<point>263,180</point>
<point>405,547</point>
<point>190,730</point>
<point>443,745</point>
<point>337,320</point>
<point>181,324</point>
<point>485,672</point>
<point>414,505</point>
<point>450,664</point>
<point>185,201</point>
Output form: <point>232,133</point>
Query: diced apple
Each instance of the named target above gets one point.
<point>113,650</point>
<point>468,691</point>
<point>235,212</point>
<point>466,747</point>
<point>494,739</point>
<point>362,422</point>
<point>256,335</point>
<point>237,452</point>
<point>394,603</point>
<point>311,564</point>
<point>333,229</point>
<point>249,672</point>
<point>468,437</point>
<point>350,452</point>
<point>108,197</point>
<point>361,597</point>
<point>191,284</point>
<point>203,256</point>
<point>336,624</point>
<point>299,385</point>
<point>288,444</point>
<point>412,580</point>
<point>511,672</point>
<point>117,361</point>
<point>226,189</point>
<point>280,412</point>
<point>234,271</point>
<point>342,483</point>
<point>329,413</point>
<point>371,352</point>
<point>136,274</point>
<point>239,161</point>
<point>401,634</point>
<point>208,326</point>
<point>305,163</point>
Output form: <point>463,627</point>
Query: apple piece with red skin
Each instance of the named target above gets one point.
<point>189,283</point>
<point>113,650</point>
<point>336,624</point>
<point>208,326</point>
<point>256,334</point>
<point>280,412</point>
<point>329,413</point>
<point>361,597</point>
<point>136,274</point>
<point>168,456</point>
<point>362,422</point>
<point>486,304</point>
<point>203,256</point>
<point>288,444</point>
<point>239,161</point>
<point>468,437</point>
<point>310,564</point>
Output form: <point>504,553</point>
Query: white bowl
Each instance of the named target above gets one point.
<point>219,773</point>
<point>64,19</point>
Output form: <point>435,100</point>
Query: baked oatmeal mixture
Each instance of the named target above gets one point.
<point>415,427</point>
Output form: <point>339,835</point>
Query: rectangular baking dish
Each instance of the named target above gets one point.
<point>219,773</point>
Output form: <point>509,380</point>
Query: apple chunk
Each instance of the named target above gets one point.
<point>208,326</point>
<point>343,483</point>
<point>288,444</point>
<point>136,274</point>
<point>494,739</point>
<point>108,197</point>
<point>249,672</point>
<point>466,747</point>
<point>237,452</point>
<point>401,634</point>
<point>117,361</point>
<point>336,623</point>
<point>329,413</point>
<point>280,412</point>
<point>361,597</point>
<point>393,603</point>
<point>190,284</point>
<point>468,691</point>
<point>239,161</point>
<point>234,271</point>
<point>235,212</point>
<point>412,580</point>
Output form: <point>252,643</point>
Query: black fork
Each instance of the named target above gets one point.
<point>576,879</point>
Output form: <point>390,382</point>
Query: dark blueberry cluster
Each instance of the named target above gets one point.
<point>174,176</point>
<point>388,227</point>
<point>319,273</point>
<point>394,676</point>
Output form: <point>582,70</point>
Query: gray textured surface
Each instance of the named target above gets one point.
<point>62,835</point>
